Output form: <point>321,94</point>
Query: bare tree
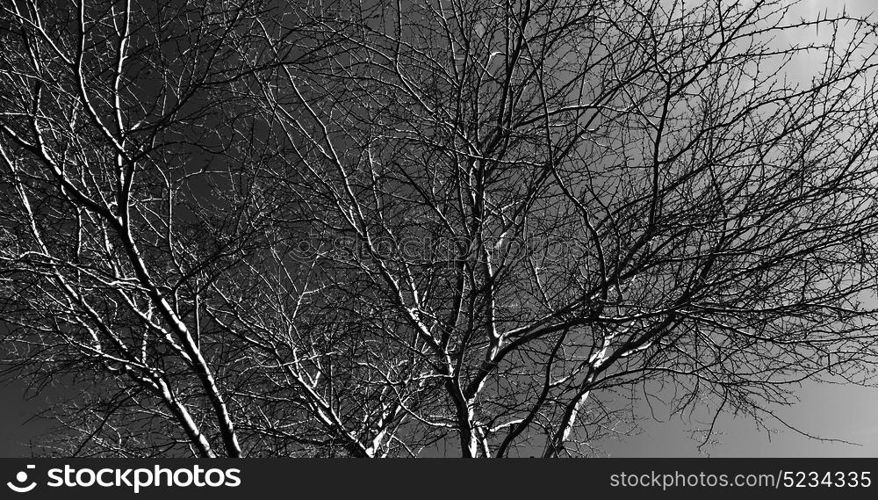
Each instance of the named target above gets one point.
<point>114,116</point>
<point>382,229</point>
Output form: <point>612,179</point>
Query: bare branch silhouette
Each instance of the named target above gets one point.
<point>379,229</point>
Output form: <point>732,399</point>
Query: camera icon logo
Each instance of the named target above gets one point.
<point>21,478</point>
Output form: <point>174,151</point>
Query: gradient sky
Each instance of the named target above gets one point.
<point>832,411</point>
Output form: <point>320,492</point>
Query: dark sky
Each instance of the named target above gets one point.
<point>17,426</point>
<point>833,411</point>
